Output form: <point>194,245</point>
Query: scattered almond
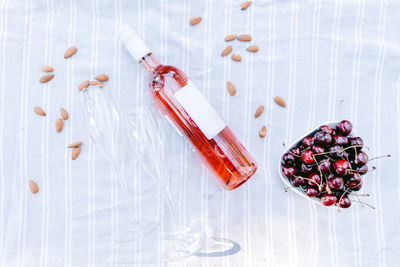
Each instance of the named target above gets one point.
<point>46,78</point>
<point>280,101</point>
<point>33,187</point>
<point>236,57</point>
<point>75,152</point>
<point>226,51</point>
<point>230,37</point>
<point>47,69</point>
<point>259,111</point>
<point>263,132</point>
<point>83,85</point>
<point>64,114</point>
<point>102,77</point>
<point>59,125</point>
<point>95,83</point>
<point>39,111</point>
<point>231,88</point>
<point>75,144</point>
<point>244,38</point>
<point>252,48</point>
<point>195,20</point>
<point>70,52</point>
<point>245,5</point>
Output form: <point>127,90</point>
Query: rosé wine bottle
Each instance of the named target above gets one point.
<point>183,103</point>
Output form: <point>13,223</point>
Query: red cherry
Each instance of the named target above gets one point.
<point>317,149</point>
<point>308,141</point>
<point>362,158</point>
<point>341,166</point>
<point>297,181</point>
<point>325,129</point>
<point>353,180</point>
<point>336,182</point>
<point>307,157</point>
<point>344,127</point>
<point>344,202</point>
<point>328,200</point>
<point>324,166</point>
<point>289,171</point>
<point>312,192</point>
<point>314,179</point>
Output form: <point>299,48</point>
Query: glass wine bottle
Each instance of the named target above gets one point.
<point>185,106</point>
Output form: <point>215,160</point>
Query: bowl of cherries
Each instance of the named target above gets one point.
<point>326,165</point>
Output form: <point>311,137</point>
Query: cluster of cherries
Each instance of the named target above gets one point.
<point>327,164</point>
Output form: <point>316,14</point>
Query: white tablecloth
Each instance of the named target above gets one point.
<point>312,53</point>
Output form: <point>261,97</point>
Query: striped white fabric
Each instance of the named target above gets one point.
<point>312,53</point>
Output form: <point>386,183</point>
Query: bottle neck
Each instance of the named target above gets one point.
<point>149,63</point>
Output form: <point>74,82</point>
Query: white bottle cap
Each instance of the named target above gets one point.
<point>131,41</point>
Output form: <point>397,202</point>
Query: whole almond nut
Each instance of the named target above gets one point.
<point>33,187</point>
<point>46,78</point>
<point>195,20</point>
<point>244,38</point>
<point>83,85</point>
<point>39,111</point>
<point>75,152</point>
<point>70,52</point>
<point>95,83</point>
<point>280,101</point>
<point>59,125</point>
<point>102,77</point>
<point>47,69</point>
<point>245,5</point>
<point>236,57</point>
<point>230,37</point>
<point>64,114</point>
<point>231,88</point>
<point>252,48</point>
<point>226,51</point>
<point>75,144</point>
<point>263,132</point>
<point>259,111</point>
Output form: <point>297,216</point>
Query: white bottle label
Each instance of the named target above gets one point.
<point>201,112</point>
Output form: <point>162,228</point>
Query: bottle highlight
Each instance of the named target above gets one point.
<point>186,107</point>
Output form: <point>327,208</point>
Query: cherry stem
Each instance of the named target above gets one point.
<point>384,156</point>
<point>360,195</point>
<point>372,207</point>
<point>337,150</point>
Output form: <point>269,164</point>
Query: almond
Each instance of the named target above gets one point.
<point>231,88</point>
<point>75,144</point>
<point>236,57</point>
<point>252,48</point>
<point>102,77</point>
<point>226,51</point>
<point>64,114</point>
<point>95,83</point>
<point>47,69</point>
<point>259,111</point>
<point>46,78</point>
<point>83,85</point>
<point>230,37</point>
<point>70,52</point>
<point>39,111</point>
<point>244,38</point>
<point>245,5</point>
<point>59,125</point>
<point>33,187</point>
<point>280,101</point>
<point>75,152</point>
<point>263,132</point>
<point>195,20</point>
